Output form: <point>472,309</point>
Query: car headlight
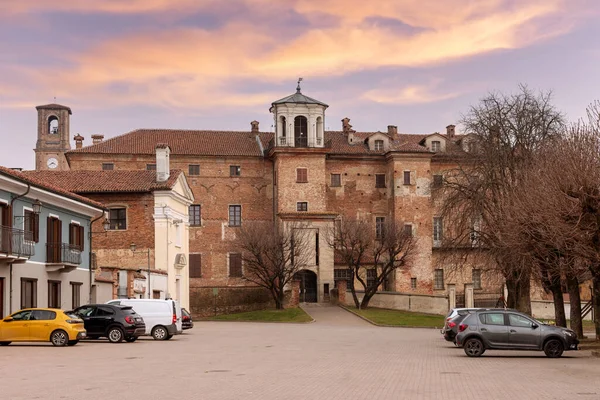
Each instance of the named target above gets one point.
<point>570,333</point>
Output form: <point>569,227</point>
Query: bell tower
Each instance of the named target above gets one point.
<point>52,137</point>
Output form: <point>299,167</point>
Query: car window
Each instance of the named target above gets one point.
<point>492,319</point>
<point>517,320</point>
<point>72,315</point>
<point>42,315</point>
<point>22,316</point>
<point>85,311</point>
<point>103,312</point>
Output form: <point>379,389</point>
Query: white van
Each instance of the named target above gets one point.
<point>162,317</point>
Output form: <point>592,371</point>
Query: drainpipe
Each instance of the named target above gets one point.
<point>91,256</point>
<point>10,289</point>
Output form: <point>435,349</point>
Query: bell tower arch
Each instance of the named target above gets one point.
<point>52,137</point>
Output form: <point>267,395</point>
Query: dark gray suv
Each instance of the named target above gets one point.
<point>501,329</point>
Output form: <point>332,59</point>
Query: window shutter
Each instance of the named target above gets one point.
<point>36,228</point>
<point>81,241</point>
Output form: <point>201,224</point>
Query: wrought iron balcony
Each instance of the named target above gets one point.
<point>63,253</point>
<point>13,243</point>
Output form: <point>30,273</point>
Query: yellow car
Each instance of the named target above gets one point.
<point>42,325</point>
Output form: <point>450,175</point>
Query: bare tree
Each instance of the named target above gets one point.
<point>272,256</point>
<point>381,250</point>
<point>505,132</point>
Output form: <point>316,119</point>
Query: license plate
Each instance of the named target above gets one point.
<point>138,319</point>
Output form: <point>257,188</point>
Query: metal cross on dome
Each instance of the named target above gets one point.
<point>298,87</point>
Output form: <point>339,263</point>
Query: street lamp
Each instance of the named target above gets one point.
<point>132,247</point>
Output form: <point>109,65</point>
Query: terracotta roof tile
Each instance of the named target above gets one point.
<point>105,181</point>
<point>42,183</point>
<point>54,106</point>
<point>236,143</point>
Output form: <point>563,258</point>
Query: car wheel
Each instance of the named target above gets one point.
<point>72,342</point>
<point>4,343</point>
<point>115,335</point>
<point>59,338</point>
<point>554,348</point>
<point>474,347</point>
<point>131,339</point>
<point>168,337</point>
<point>159,333</point>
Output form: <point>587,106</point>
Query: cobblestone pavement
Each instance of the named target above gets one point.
<point>347,359</point>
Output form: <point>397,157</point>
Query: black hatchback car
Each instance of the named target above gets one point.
<point>186,319</point>
<point>115,322</point>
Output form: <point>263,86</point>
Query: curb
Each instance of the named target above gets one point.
<point>259,322</point>
<point>384,325</point>
<point>596,354</point>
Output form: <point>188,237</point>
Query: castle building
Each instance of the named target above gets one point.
<point>298,173</point>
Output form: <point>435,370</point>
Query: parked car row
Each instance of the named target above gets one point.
<point>117,320</point>
<point>479,329</point>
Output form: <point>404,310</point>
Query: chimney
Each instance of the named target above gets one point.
<point>392,130</point>
<point>254,125</point>
<point>163,171</point>
<point>97,139</point>
<point>78,141</point>
<point>450,131</point>
<point>346,127</point>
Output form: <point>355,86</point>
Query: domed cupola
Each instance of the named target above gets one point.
<point>299,120</point>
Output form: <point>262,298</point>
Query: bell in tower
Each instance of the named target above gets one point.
<point>299,120</point>
<point>52,137</point>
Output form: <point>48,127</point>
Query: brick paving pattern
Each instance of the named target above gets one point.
<point>337,357</point>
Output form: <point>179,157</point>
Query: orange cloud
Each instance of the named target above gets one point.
<point>412,94</point>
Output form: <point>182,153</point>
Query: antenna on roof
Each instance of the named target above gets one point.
<point>298,87</point>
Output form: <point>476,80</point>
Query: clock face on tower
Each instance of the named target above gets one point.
<point>52,163</point>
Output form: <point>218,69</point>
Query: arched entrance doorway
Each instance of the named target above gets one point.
<point>301,131</point>
<point>308,286</point>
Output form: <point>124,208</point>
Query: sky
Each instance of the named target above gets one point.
<point>218,64</point>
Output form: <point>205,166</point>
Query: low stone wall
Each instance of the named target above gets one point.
<point>544,309</point>
<point>429,304</point>
<point>228,300</point>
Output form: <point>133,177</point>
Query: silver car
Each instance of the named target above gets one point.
<point>501,329</point>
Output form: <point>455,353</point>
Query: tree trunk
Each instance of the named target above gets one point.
<point>519,295</point>
<point>355,297</point>
<point>559,303</point>
<point>575,300</point>
<point>278,297</point>
<point>596,303</point>
<point>367,298</point>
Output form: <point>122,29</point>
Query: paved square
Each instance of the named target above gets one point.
<point>338,357</point>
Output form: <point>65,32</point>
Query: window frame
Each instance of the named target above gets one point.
<point>476,282</point>
<point>302,206</point>
<point>110,219</point>
<point>339,180</point>
<point>438,281</point>
<point>370,278</point>
<point>378,145</point>
<point>436,146</point>
<point>151,167</point>
<point>408,230</point>
<point>51,285</point>
<point>437,231</point>
<point>301,175</point>
<point>239,221</point>
<point>343,274</point>
<point>379,227</point>
<point>194,170</point>
<point>437,181</point>
<point>379,182</point>
<point>195,218</point>
<point>108,166</point>
<point>407,177</point>
<point>33,282</point>
<point>413,283</point>
<point>235,171</point>
<point>31,226</point>
<point>76,294</point>
<point>238,257</point>
<point>76,236</point>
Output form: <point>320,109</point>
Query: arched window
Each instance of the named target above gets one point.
<point>319,131</point>
<point>52,125</point>
<point>283,123</point>
<point>301,131</point>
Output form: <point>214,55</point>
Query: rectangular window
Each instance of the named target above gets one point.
<point>408,230</point>
<point>343,275</point>
<point>76,236</point>
<point>476,278</point>
<point>438,279</point>
<point>437,231</point>
<point>235,265</point>
<point>436,146</point>
<point>438,181</point>
<point>492,319</point>
<point>302,206</point>
<point>379,145</point>
<point>117,218</point>
<point>235,215</point>
<point>301,175</point>
<point>28,293</point>
<point>108,166</point>
<point>195,265</point>
<point>54,294</point>
<point>32,226</point>
<point>194,169</point>
<point>150,167</point>
<point>379,227</point>
<point>235,170</point>
<point>407,177</point>
<point>371,277</point>
<point>413,283</point>
<point>75,294</point>
<point>336,180</point>
<point>156,294</point>
<point>379,180</point>
<point>195,212</point>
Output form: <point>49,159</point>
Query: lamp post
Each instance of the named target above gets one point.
<point>132,247</point>
<point>105,228</point>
